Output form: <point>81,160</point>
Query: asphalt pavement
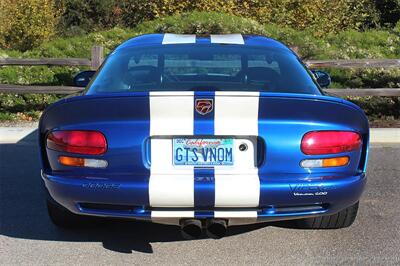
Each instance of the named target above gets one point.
<point>28,237</point>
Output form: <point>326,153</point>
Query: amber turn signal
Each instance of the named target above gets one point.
<point>82,162</point>
<point>338,161</point>
<point>71,161</point>
<point>328,162</point>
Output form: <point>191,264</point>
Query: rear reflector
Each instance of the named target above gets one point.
<point>329,162</point>
<point>330,142</point>
<point>77,141</point>
<point>82,162</point>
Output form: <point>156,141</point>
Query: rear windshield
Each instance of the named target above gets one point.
<point>203,68</point>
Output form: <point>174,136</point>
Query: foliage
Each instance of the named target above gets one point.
<point>25,107</point>
<point>346,44</point>
<point>322,16</point>
<point>379,107</point>
<point>202,23</point>
<point>86,16</point>
<point>365,78</point>
<point>343,45</point>
<point>26,23</point>
<point>389,12</point>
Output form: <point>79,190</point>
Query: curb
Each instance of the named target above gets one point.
<point>384,135</point>
<point>16,134</point>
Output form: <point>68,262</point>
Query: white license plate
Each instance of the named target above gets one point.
<point>203,152</point>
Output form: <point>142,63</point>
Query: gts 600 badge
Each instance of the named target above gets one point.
<point>308,190</point>
<point>93,185</point>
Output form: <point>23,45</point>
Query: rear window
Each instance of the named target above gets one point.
<point>203,67</point>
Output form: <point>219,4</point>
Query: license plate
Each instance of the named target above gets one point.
<point>202,152</point>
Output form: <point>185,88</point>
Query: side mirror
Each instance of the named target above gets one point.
<point>323,78</point>
<point>83,78</point>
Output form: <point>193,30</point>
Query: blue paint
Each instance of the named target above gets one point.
<point>156,39</point>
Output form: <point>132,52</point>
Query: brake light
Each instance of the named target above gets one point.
<point>329,142</point>
<point>77,141</point>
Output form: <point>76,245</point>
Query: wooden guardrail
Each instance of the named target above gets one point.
<point>94,62</point>
<point>354,63</point>
<point>97,59</point>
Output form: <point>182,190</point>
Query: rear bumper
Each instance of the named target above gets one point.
<point>282,197</point>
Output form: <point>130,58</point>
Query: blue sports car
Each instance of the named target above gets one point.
<point>204,132</point>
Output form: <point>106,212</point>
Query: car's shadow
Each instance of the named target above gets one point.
<point>23,213</point>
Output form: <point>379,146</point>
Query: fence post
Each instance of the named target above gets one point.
<point>97,57</point>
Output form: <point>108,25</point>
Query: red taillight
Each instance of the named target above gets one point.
<point>77,141</point>
<point>329,142</point>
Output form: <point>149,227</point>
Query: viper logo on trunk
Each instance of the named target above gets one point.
<point>204,106</point>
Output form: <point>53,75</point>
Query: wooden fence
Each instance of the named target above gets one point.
<point>97,59</point>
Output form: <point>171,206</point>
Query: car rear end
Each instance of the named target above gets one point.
<point>196,151</point>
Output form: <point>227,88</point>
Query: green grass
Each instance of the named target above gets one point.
<point>344,45</point>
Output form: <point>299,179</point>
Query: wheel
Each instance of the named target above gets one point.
<point>342,219</point>
<point>62,217</point>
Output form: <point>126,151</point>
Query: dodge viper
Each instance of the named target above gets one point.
<point>204,132</point>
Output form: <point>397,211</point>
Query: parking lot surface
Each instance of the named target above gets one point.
<point>28,237</point>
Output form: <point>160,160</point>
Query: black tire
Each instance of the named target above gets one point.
<point>342,219</point>
<point>62,217</point>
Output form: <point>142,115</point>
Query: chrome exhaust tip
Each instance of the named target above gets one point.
<point>191,228</point>
<point>216,228</point>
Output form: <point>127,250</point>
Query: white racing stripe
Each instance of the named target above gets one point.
<point>170,217</point>
<point>227,38</point>
<point>238,186</point>
<point>236,214</point>
<point>171,114</point>
<point>170,38</point>
<point>169,187</point>
<point>236,113</point>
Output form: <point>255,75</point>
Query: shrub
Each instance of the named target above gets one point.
<point>26,107</point>
<point>378,107</point>
<point>82,16</point>
<point>365,78</point>
<point>389,12</point>
<point>202,23</point>
<point>346,44</point>
<point>320,15</point>
<point>26,23</point>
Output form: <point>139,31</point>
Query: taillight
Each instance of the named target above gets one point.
<point>77,141</point>
<point>329,142</point>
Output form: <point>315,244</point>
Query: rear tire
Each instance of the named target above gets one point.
<point>62,217</point>
<point>342,219</point>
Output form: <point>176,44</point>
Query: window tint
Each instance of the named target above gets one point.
<point>203,67</point>
<point>143,60</point>
<point>217,64</point>
<point>261,60</point>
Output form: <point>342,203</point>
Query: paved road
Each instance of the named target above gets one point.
<point>28,237</point>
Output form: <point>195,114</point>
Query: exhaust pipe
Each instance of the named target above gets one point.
<point>191,228</point>
<point>216,228</point>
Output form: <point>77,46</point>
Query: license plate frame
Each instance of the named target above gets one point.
<point>202,152</point>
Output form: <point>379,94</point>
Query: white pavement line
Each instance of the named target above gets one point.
<point>377,135</point>
<point>14,134</point>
